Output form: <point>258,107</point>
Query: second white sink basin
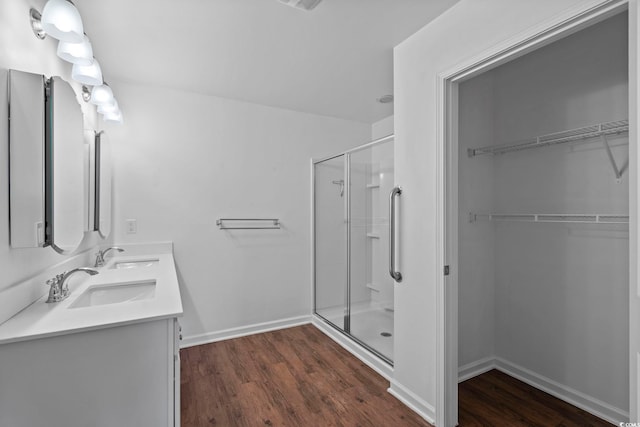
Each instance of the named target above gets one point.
<point>118,265</point>
<point>116,293</point>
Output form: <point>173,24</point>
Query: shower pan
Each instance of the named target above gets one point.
<point>353,288</point>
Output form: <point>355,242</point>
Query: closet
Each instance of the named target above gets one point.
<point>543,227</point>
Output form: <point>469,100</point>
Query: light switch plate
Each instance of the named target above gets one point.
<point>132,226</point>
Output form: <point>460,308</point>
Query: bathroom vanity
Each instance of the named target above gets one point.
<point>106,356</point>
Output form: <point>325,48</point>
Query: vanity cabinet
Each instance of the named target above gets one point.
<point>116,376</point>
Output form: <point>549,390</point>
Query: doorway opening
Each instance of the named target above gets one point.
<point>537,221</point>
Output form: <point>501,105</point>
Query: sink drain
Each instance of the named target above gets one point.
<point>385,334</point>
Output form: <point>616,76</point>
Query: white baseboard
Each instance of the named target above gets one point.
<point>368,358</point>
<point>583,401</point>
<point>476,368</point>
<point>576,398</point>
<point>414,402</point>
<point>190,341</point>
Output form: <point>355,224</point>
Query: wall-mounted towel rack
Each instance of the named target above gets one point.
<point>248,223</point>
<point>565,218</point>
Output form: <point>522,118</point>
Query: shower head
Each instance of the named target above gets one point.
<point>340,182</point>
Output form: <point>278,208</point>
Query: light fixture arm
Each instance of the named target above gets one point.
<point>36,24</point>
<point>86,93</point>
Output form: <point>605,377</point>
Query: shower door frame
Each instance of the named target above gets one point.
<point>347,194</point>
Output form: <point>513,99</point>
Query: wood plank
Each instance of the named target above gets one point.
<point>293,377</point>
<point>495,398</point>
<point>300,377</point>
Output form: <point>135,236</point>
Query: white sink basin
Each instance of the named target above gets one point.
<point>134,264</point>
<point>115,294</point>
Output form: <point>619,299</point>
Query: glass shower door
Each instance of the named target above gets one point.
<point>353,288</point>
<point>330,230</point>
<point>371,286</point>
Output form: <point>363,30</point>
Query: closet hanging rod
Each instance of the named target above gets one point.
<point>246,223</point>
<point>564,218</point>
<point>573,135</point>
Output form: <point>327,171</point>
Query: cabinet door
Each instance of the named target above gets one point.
<point>177,336</point>
<point>100,378</point>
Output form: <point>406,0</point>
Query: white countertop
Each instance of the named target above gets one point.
<point>41,319</point>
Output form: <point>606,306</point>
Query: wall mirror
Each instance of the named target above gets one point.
<point>66,198</point>
<point>26,92</point>
<point>102,222</point>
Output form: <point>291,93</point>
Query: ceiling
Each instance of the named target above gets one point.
<point>333,61</point>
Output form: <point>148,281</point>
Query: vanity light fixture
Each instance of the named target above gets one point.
<point>61,20</point>
<point>115,116</point>
<point>76,53</point>
<point>87,74</point>
<point>110,107</point>
<point>102,94</point>
<point>302,4</point>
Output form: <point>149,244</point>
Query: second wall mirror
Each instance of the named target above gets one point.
<point>102,222</point>
<point>66,198</point>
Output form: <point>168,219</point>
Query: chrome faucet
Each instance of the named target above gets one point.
<point>59,288</point>
<point>100,255</point>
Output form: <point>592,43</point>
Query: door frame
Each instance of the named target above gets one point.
<point>573,20</point>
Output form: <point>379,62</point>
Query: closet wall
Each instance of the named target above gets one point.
<point>548,300</point>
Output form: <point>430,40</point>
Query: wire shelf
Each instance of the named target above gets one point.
<point>573,135</point>
<point>552,218</point>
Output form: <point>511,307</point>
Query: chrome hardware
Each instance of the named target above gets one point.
<point>395,275</point>
<point>100,255</point>
<point>58,287</point>
<point>55,291</point>
<point>248,223</point>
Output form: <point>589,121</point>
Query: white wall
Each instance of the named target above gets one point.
<point>382,128</point>
<point>560,290</point>
<point>464,31</point>
<point>476,278</point>
<point>21,50</point>
<point>182,160</point>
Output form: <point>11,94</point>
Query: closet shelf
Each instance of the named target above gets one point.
<point>573,135</point>
<point>565,218</point>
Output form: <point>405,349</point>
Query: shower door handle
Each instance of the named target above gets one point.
<point>395,275</point>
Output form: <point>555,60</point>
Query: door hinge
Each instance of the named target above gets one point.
<point>446,270</point>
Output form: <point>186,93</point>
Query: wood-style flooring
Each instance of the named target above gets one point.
<point>294,377</point>
<point>299,377</point>
<point>496,399</point>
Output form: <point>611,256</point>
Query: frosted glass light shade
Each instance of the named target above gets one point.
<point>101,95</point>
<point>87,74</point>
<point>109,107</point>
<point>76,53</point>
<point>61,20</point>
<point>115,116</point>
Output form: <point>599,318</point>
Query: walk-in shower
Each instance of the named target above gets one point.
<point>353,290</point>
